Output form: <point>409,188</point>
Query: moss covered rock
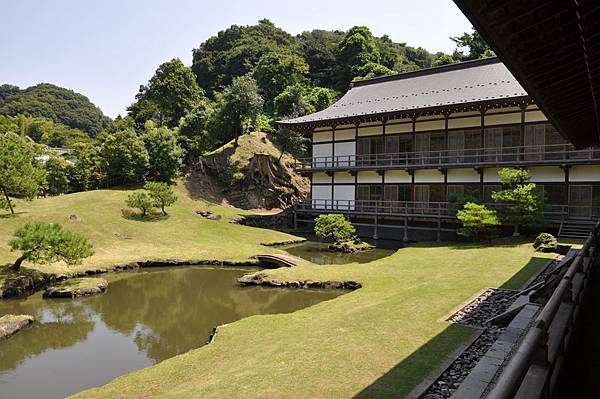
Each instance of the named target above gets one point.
<point>76,287</point>
<point>10,324</point>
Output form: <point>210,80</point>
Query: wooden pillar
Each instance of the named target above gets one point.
<point>521,155</point>
<point>405,238</point>
<point>439,230</point>
<point>375,230</point>
<point>481,133</point>
<point>333,161</point>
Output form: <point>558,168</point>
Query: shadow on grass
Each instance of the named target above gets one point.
<point>401,379</point>
<point>11,215</point>
<point>138,217</point>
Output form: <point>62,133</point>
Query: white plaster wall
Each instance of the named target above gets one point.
<point>587,173</point>
<point>541,174</point>
<point>503,119</point>
<point>368,177</point>
<point>321,177</point>
<point>490,175</point>
<point>463,176</point>
<point>430,125</point>
<point>322,136</point>
<point>321,197</point>
<point>428,176</point>
<point>346,134</point>
<point>401,128</point>
<point>535,116</point>
<point>397,176</point>
<point>320,151</point>
<point>472,121</point>
<point>345,197</point>
<point>370,130</point>
<point>342,150</point>
<point>341,127</point>
<point>343,177</point>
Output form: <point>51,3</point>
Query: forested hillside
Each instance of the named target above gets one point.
<point>58,104</point>
<point>241,80</point>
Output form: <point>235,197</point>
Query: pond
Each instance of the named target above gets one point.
<point>319,253</point>
<point>145,316</point>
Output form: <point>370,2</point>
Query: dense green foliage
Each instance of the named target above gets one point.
<point>126,157</point>
<point>169,95</point>
<point>43,130</point>
<point>55,103</point>
<point>140,200</point>
<point>162,194</point>
<point>165,156</point>
<point>241,105</point>
<point>545,242</point>
<point>474,43</point>
<point>334,226</point>
<point>478,222</point>
<point>20,173</point>
<point>58,172</point>
<point>43,242</point>
<point>521,202</point>
<point>292,142</point>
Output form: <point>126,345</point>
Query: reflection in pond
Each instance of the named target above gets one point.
<point>145,317</point>
<point>319,253</point>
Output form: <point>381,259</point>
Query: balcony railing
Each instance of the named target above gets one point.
<point>431,209</point>
<point>548,154</point>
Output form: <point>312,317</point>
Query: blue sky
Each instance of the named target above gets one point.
<point>105,49</point>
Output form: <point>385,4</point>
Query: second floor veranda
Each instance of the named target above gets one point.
<point>555,154</point>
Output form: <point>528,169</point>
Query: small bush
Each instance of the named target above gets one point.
<point>141,201</point>
<point>545,242</point>
<point>334,226</point>
<point>479,223</point>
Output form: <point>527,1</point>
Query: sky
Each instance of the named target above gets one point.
<point>105,49</point>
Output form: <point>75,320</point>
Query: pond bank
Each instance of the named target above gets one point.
<point>28,281</point>
<point>264,280</point>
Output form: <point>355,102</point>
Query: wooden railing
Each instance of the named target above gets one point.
<point>416,208</point>
<point>548,154</point>
<point>532,371</point>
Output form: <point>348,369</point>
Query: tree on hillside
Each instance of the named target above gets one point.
<point>235,52</point>
<point>392,54</point>
<point>165,156</point>
<point>372,70</point>
<point>416,58</point>
<point>43,242</point>
<point>55,103</point>
<point>169,95</point>
<point>291,141</point>
<point>474,44</point>
<point>126,157</point>
<point>58,171</point>
<point>357,48</point>
<point>443,59</point>
<point>162,194</point>
<point>298,100</point>
<point>90,169</point>
<point>195,130</point>
<point>20,175</point>
<point>319,49</point>
<point>275,71</point>
<point>241,105</point>
<point>521,202</point>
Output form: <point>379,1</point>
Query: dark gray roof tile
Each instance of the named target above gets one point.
<point>465,82</point>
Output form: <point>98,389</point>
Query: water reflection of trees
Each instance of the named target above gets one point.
<point>170,312</point>
<point>61,325</point>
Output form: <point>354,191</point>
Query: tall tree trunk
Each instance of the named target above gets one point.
<point>237,135</point>
<point>8,200</point>
<point>162,208</point>
<point>280,156</point>
<point>17,265</point>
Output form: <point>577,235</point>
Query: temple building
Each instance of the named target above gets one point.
<point>394,152</point>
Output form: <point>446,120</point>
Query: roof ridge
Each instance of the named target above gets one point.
<point>426,71</point>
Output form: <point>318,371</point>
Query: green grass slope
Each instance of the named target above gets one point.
<point>376,342</point>
<point>118,240</point>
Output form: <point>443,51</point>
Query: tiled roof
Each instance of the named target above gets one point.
<point>460,83</point>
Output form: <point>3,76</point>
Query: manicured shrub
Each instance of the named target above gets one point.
<point>545,242</point>
<point>43,242</point>
<point>162,194</point>
<point>479,223</point>
<point>334,226</point>
<point>141,201</point>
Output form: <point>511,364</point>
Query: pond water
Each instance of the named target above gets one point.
<point>319,253</point>
<point>145,316</point>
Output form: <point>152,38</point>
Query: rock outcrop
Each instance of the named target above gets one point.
<point>76,288</point>
<point>10,324</point>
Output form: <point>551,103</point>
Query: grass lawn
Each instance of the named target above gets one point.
<point>118,240</point>
<point>376,342</point>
